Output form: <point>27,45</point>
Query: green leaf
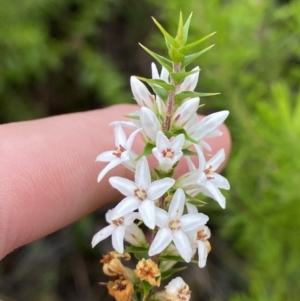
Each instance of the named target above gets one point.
<point>180,32</point>
<point>161,92</point>
<point>189,94</point>
<point>173,258</point>
<point>168,37</point>
<point>162,174</point>
<point>147,151</point>
<point>188,59</point>
<point>162,60</point>
<point>188,47</point>
<point>188,152</point>
<point>147,288</point>
<point>186,28</point>
<point>170,272</point>
<point>133,249</point>
<point>158,82</point>
<point>175,55</point>
<point>187,137</point>
<point>180,76</point>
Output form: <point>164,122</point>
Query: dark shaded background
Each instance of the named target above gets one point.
<point>66,56</point>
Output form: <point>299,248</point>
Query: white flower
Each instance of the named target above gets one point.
<point>121,155</point>
<point>141,94</point>
<point>199,239</point>
<point>168,152</point>
<point>204,179</point>
<point>173,227</point>
<point>164,75</point>
<point>185,112</point>
<point>207,127</point>
<point>177,290</point>
<point>140,194</point>
<point>116,229</point>
<point>150,123</point>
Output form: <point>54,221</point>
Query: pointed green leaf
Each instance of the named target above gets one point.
<point>146,152</point>
<point>180,33</point>
<point>172,271</point>
<point>188,59</point>
<point>188,47</point>
<point>146,288</point>
<point>186,28</point>
<point>162,60</point>
<point>158,82</point>
<point>173,258</point>
<point>169,38</point>
<point>190,94</point>
<point>180,76</point>
<point>175,56</point>
<point>187,137</point>
<point>161,92</point>
<point>188,152</point>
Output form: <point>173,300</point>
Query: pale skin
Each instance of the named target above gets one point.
<point>48,172</point>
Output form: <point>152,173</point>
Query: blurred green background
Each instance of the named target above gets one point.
<point>61,56</point>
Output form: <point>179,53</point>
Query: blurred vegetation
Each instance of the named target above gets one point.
<point>65,56</point>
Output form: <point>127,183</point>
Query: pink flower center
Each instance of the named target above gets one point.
<point>209,172</point>
<point>168,153</point>
<point>119,150</point>
<point>118,222</point>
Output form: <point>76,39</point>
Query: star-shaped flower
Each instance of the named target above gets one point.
<point>140,194</point>
<point>121,155</point>
<point>168,152</point>
<point>204,179</point>
<point>116,229</point>
<point>174,227</point>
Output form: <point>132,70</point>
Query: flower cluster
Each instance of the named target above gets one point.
<point>168,124</point>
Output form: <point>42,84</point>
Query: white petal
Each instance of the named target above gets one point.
<point>102,234</point>
<point>141,94</point>
<point>220,182</point>
<point>159,187</point>
<point>190,163</point>
<point>162,142</point>
<point>217,159</point>
<point>142,174</point>
<point>190,82</point>
<point>130,218</point>
<point>202,253</point>
<point>161,217</point>
<point>135,236</point>
<point>177,143</point>
<point>215,193</point>
<point>162,239</point>
<point>131,138</point>
<point>154,71</point>
<point>150,123</point>
<point>108,167</point>
<point>106,156</point>
<point>147,212</point>
<point>192,222</point>
<point>191,208</point>
<point>201,158</point>
<point>183,245</point>
<point>185,111</point>
<point>164,74</point>
<point>126,206</point>
<point>125,186</point>
<point>177,204</point>
<point>120,137</point>
<point>118,239</point>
